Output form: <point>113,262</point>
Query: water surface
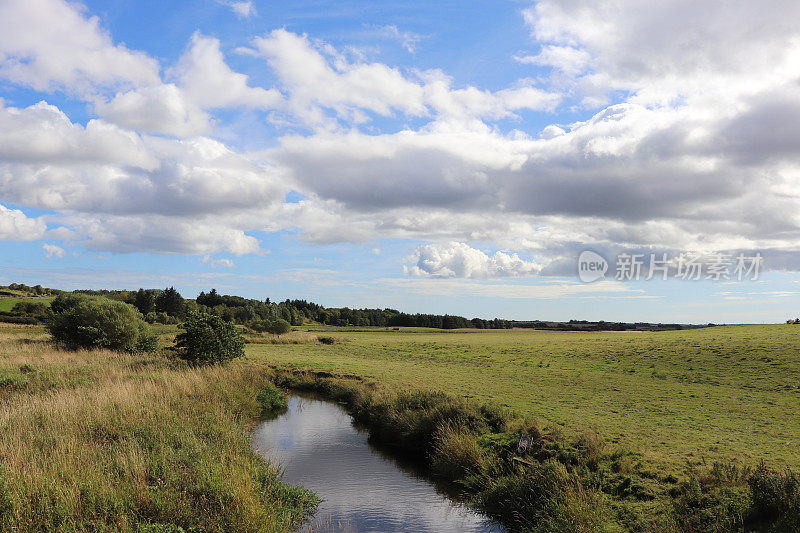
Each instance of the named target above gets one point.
<point>362,489</point>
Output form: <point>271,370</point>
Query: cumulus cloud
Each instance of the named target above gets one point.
<point>352,89</point>
<point>160,234</point>
<point>52,163</point>
<point>50,44</point>
<point>691,143</point>
<point>660,52</point>
<point>52,250</point>
<point>124,191</point>
<point>159,109</point>
<point>16,226</point>
<point>459,260</point>
<point>210,83</point>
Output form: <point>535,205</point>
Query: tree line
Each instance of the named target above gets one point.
<point>168,306</point>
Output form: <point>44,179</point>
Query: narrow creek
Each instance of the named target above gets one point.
<point>361,487</point>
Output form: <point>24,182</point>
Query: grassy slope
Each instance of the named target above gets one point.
<point>107,442</point>
<point>727,392</point>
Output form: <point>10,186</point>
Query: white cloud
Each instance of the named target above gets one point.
<point>242,9</point>
<point>226,263</point>
<point>51,163</point>
<point>667,48</point>
<point>16,226</point>
<point>699,149</point>
<point>459,260</point>
<point>566,58</point>
<point>158,109</point>
<point>52,250</point>
<point>42,135</point>
<point>160,234</point>
<point>128,192</point>
<point>407,39</point>
<point>50,44</point>
<point>352,89</point>
<point>210,83</point>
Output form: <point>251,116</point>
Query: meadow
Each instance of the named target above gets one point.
<point>635,431</point>
<point>697,395</point>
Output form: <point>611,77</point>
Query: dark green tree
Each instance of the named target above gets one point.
<point>208,339</point>
<point>145,301</point>
<point>171,302</point>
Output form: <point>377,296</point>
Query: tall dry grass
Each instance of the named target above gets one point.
<point>110,442</point>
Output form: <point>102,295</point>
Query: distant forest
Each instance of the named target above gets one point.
<point>168,306</point>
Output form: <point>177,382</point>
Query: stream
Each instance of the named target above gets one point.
<point>362,488</point>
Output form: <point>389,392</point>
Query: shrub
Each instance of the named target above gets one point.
<point>32,309</point>
<point>279,326</point>
<point>272,400</point>
<point>208,339</point>
<point>776,498</point>
<point>147,342</point>
<point>79,321</point>
<point>326,340</point>
<point>276,326</point>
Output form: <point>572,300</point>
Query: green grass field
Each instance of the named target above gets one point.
<point>8,302</point>
<point>697,395</point>
<point>96,440</point>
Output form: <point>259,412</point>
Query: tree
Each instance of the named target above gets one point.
<point>208,339</point>
<point>79,321</point>
<point>145,301</point>
<point>171,302</point>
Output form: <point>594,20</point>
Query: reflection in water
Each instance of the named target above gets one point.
<point>361,489</point>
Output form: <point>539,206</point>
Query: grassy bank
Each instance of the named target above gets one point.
<point>108,442</point>
<point>541,480</point>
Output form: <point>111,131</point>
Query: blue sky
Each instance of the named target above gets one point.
<point>448,157</point>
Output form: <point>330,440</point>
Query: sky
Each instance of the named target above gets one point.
<point>443,157</point>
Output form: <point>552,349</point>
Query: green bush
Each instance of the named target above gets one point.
<point>272,400</point>
<point>147,342</point>
<point>208,339</point>
<point>276,326</point>
<point>36,310</point>
<point>279,326</point>
<point>79,321</point>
